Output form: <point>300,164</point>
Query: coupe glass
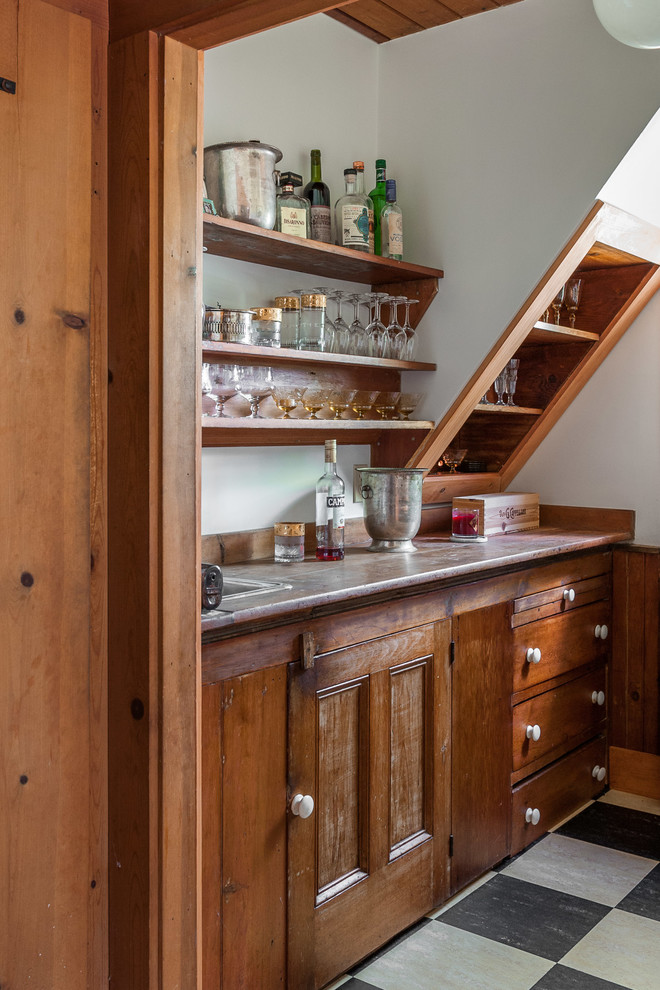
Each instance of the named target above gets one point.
<point>411,336</point>
<point>557,303</point>
<point>386,403</point>
<point>452,457</point>
<point>224,386</point>
<point>397,340</point>
<point>511,372</point>
<point>254,384</point>
<point>313,400</point>
<point>408,403</point>
<point>362,403</point>
<point>341,332</point>
<point>500,388</point>
<point>339,400</point>
<point>376,330</point>
<point>572,298</point>
<point>287,398</point>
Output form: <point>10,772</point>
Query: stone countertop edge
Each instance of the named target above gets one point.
<point>363,574</point>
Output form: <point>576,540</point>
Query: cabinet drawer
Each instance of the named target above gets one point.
<point>557,716</point>
<point>561,643</point>
<point>556,792</point>
<point>561,598</point>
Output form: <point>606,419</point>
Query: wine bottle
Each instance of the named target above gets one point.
<point>391,224</point>
<point>318,195</point>
<point>330,508</point>
<point>377,195</point>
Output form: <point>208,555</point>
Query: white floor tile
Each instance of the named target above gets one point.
<point>439,956</point>
<point>634,801</point>
<point>453,901</point>
<point>622,948</point>
<point>583,869</point>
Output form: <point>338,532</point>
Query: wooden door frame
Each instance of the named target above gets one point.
<point>154,470</point>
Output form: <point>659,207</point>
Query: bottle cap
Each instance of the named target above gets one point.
<point>290,179</point>
<point>315,153</point>
<point>331,450</point>
<point>359,166</point>
<point>313,300</point>
<point>267,313</point>
<point>349,171</point>
<point>381,163</point>
<point>287,302</point>
<point>390,190</point>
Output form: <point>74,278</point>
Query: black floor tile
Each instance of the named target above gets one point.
<point>358,985</point>
<point>644,899</point>
<point>564,978</point>
<point>625,829</point>
<point>526,916</point>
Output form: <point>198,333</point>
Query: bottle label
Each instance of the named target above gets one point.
<point>395,230</point>
<point>330,510</point>
<point>320,220</point>
<point>355,225</point>
<point>294,221</point>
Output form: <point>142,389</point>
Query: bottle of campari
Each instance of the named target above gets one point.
<point>330,498</point>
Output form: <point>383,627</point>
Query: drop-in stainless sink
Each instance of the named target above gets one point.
<point>234,589</point>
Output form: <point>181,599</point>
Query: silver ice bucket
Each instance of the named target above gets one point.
<point>392,507</point>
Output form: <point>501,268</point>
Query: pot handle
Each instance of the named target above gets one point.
<point>366,491</point>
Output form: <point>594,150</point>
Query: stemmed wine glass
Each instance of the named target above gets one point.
<point>376,329</point>
<point>224,386</point>
<point>254,384</point>
<point>572,298</point>
<point>411,342</point>
<point>358,340</point>
<point>511,372</point>
<point>452,457</point>
<point>500,387</point>
<point>396,336</point>
<point>341,332</point>
<point>557,303</point>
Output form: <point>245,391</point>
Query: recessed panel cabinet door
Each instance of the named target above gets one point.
<point>368,743</point>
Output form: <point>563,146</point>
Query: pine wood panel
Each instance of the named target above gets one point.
<point>635,691</point>
<point>566,641</point>
<point>481,759</point>
<point>388,712</point>
<point>382,21</point>
<point>635,772</point>
<point>561,713</point>
<point>52,803</point>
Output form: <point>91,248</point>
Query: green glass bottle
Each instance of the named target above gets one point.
<point>377,194</point>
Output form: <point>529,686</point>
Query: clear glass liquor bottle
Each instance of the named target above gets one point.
<point>318,195</point>
<point>391,224</point>
<point>330,499</point>
<point>351,216</point>
<point>367,200</point>
<point>377,196</point>
<point>292,212</point>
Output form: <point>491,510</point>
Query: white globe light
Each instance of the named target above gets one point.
<point>634,22</point>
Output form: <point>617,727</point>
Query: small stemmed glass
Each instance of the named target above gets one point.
<point>500,387</point>
<point>287,398</point>
<point>254,384</point>
<point>452,457</point>
<point>396,340</point>
<point>572,299</point>
<point>557,303</point>
<point>511,373</point>
<point>358,340</point>
<point>411,341</point>
<point>376,329</point>
<point>341,332</point>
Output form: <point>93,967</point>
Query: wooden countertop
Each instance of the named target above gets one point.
<point>363,576</point>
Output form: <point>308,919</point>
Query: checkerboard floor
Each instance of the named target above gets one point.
<point>578,910</point>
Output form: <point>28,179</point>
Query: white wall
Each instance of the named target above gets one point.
<point>501,129</point>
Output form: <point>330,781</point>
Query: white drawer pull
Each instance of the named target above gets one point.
<point>569,594</point>
<point>533,732</point>
<point>601,632</point>
<point>302,805</point>
<point>599,773</point>
<point>533,655</point>
<point>598,697</point>
<point>532,816</point>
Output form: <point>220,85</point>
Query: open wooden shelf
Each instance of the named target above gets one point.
<point>244,431</point>
<point>494,410</point>
<point>245,242</point>
<point>214,350</point>
<point>553,333</point>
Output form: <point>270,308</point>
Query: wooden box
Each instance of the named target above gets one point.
<point>507,512</point>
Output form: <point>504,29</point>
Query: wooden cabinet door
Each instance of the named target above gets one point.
<point>481,742</point>
<point>369,741</point>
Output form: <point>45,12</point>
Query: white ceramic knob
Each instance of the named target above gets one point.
<point>533,655</point>
<point>598,697</point>
<point>302,805</point>
<point>569,594</point>
<point>532,816</point>
<point>604,632</point>
<point>599,773</point>
<point>597,632</point>
<point>533,732</point>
